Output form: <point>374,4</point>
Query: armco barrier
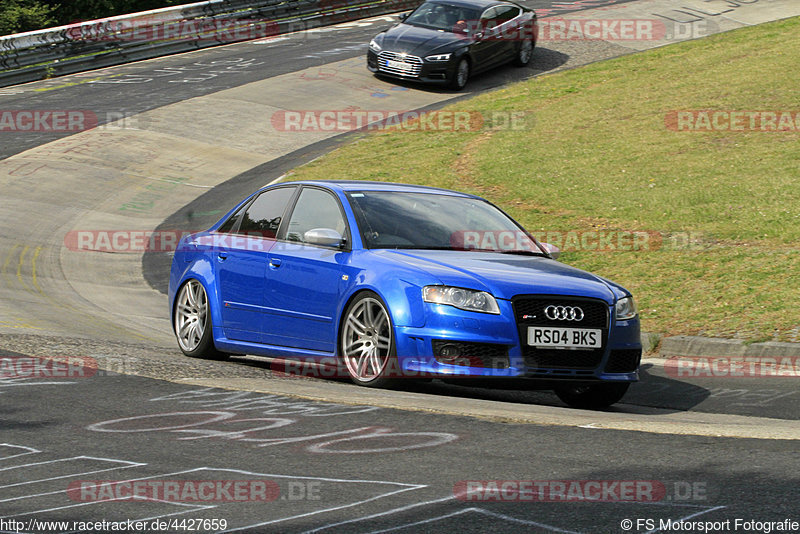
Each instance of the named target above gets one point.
<point>32,56</point>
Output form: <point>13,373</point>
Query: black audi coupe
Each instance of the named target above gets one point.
<point>447,41</point>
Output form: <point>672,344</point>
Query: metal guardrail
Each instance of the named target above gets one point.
<point>79,47</point>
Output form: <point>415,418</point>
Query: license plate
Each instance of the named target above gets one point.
<point>399,65</point>
<point>583,338</point>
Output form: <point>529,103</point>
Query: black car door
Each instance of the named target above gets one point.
<point>508,31</point>
<point>486,48</point>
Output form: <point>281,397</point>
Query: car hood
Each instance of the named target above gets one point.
<point>504,275</point>
<point>420,41</point>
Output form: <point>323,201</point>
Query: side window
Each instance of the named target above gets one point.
<point>315,209</point>
<point>505,13</point>
<point>228,226</point>
<point>264,215</point>
<point>487,19</point>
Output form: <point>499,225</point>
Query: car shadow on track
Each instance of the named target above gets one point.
<point>664,394</point>
<point>652,394</point>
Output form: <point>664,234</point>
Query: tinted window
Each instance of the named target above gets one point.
<point>441,16</point>
<point>315,209</point>
<point>505,13</point>
<point>264,215</point>
<point>230,224</point>
<point>488,14</point>
<point>435,221</point>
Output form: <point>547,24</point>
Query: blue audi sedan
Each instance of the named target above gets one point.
<point>390,281</point>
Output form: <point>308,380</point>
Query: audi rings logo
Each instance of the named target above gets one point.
<point>564,313</point>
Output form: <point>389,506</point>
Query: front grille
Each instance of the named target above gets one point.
<point>623,361</point>
<point>488,355</point>
<point>529,311</point>
<point>414,64</point>
<point>561,358</point>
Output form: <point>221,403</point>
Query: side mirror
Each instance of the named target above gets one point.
<point>553,250</point>
<point>478,36</point>
<point>326,237</point>
<point>403,16</point>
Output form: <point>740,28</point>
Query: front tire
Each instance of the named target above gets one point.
<point>461,75</point>
<point>192,323</point>
<point>592,396</point>
<point>366,343</point>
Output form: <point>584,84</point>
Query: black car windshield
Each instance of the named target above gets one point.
<point>445,17</point>
<point>390,219</point>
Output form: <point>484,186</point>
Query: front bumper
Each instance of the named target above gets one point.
<point>431,72</point>
<point>492,347</point>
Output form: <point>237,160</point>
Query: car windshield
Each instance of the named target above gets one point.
<point>444,17</point>
<point>390,219</point>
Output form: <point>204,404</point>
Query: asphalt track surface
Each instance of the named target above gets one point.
<point>714,448</point>
<point>357,468</point>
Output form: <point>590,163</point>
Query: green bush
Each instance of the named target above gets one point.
<point>18,16</point>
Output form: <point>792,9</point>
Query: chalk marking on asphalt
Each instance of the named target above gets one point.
<point>128,466</point>
<point>381,514</point>
<point>7,262</point>
<point>30,450</point>
<point>480,511</point>
<point>20,262</point>
<point>651,420</point>
<point>33,268</point>
<point>408,487</point>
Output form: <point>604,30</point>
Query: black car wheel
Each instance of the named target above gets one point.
<point>592,396</point>
<point>524,54</point>
<point>461,75</point>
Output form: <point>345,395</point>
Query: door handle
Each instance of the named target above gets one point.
<point>222,256</point>
<point>274,263</point>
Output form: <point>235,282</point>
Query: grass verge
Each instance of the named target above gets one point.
<point>722,206</point>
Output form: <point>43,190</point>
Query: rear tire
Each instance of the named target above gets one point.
<point>524,54</point>
<point>192,323</point>
<point>592,396</point>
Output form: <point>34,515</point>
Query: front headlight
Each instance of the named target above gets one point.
<point>625,309</point>
<point>438,57</point>
<point>464,299</point>
<point>374,46</point>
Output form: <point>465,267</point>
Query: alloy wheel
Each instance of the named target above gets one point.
<point>191,315</point>
<point>366,340</point>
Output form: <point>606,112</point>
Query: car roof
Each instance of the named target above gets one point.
<point>481,4</point>
<point>365,185</point>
